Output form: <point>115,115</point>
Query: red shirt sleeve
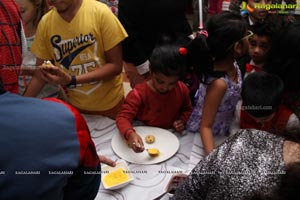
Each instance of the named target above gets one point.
<point>129,111</point>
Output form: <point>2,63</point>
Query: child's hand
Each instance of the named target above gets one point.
<point>55,75</point>
<point>135,142</point>
<point>179,126</point>
<point>107,161</point>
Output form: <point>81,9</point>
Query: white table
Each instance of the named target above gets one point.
<point>150,180</point>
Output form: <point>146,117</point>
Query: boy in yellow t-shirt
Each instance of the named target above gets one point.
<point>82,39</point>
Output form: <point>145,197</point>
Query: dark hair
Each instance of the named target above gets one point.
<point>224,29</point>
<point>42,8</point>
<point>262,94</point>
<point>284,56</point>
<point>265,28</point>
<point>166,59</point>
<point>288,187</point>
<point>290,182</point>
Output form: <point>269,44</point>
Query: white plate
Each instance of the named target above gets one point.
<point>119,165</point>
<point>165,141</point>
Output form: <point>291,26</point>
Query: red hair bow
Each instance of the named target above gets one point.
<point>182,51</point>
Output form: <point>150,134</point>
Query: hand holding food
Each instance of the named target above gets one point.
<point>135,142</point>
<point>53,74</point>
<point>49,67</point>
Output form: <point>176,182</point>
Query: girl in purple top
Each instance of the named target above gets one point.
<point>220,86</point>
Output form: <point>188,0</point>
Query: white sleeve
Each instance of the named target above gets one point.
<point>235,124</point>
<point>293,121</point>
<point>23,41</point>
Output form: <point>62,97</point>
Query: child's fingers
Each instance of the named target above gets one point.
<point>137,147</point>
<point>107,161</point>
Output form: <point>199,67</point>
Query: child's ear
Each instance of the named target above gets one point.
<point>239,49</point>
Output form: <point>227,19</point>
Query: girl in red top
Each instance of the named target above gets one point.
<point>162,101</point>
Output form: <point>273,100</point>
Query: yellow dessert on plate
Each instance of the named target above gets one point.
<point>153,152</point>
<point>150,139</point>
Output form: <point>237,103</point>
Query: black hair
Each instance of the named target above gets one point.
<point>284,56</point>
<point>175,38</point>
<point>290,182</point>
<point>288,188</point>
<point>224,29</point>
<point>265,28</point>
<point>167,59</point>
<point>262,94</point>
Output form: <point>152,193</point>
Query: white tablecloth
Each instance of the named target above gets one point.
<point>150,180</point>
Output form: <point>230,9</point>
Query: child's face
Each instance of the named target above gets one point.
<point>262,120</point>
<point>259,47</point>
<point>27,10</point>
<point>163,84</point>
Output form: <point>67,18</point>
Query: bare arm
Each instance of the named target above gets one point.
<point>213,99</point>
<point>37,83</point>
<point>112,68</point>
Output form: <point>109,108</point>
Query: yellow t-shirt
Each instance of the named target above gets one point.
<point>78,48</point>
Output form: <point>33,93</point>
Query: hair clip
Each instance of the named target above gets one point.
<point>182,51</point>
<point>203,32</point>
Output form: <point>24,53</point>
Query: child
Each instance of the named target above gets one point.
<point>259,46</point>
<point>283,60</point>
<point>261,106</point>
<point>87,60</point>
<point>31,12</point>
<point>162,101</point>
<point>221,79</point>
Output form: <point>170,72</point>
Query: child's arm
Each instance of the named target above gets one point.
<point>125,117</point>
<point>213,99</point>
<point>135,141</point>
<point>37,83</point>
<point>186,109</point>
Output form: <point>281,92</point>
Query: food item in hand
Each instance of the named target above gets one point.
<point>47,64</point>
<point>49,67</point>
<point>116,177</point>
<point>150,139</point>
<point>153,152</point>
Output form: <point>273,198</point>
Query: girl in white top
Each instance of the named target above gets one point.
<point>31,13</point>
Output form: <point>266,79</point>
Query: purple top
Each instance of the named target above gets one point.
<point>226,109</point>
